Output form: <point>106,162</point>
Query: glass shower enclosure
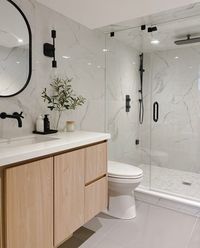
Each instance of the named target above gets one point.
<point>166,143</point>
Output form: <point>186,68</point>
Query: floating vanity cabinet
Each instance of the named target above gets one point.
<point>68,194</point>
<point>46,200</point>
<point>28,205</point>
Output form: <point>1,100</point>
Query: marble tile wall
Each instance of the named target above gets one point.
<point>122,78</point>
<point>172,79</point>
<point>86,65</point>
<point>175,86</point>
<point>13,70</point>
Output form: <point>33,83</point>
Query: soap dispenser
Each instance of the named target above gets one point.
<point>46,123</point>
<point>40,124</point>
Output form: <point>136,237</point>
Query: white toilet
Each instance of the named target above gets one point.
<point>122,181</point>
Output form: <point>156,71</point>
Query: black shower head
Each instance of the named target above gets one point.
<point>189,40</point>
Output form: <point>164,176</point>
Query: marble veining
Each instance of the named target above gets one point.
<point>122,78</point>
<point>172,79</point>
<point>86,66</point>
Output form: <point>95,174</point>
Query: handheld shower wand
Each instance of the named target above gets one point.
<point>141,99</point>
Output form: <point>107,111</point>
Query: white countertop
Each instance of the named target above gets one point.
<point>62,141</point>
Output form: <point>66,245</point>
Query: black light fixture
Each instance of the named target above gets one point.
<point>50,49</point>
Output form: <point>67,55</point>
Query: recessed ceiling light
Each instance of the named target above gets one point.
<point>66,57</point>
<point>176,57</point>
<point>105,50</point>
<point>20,40</point>
<point>18,62</point>
<point>155,42</point>
<point>89,63</point>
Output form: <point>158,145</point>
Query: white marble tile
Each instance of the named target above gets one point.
<point>122,78</point>
<point>83,46</point>
<point>172,142</point>
<point>172,181</point>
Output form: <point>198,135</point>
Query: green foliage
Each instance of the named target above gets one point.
<point>63,96</point>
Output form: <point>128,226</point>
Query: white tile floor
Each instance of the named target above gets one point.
<point>154,227</point>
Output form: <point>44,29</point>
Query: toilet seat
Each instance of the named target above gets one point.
<point>123,171</point>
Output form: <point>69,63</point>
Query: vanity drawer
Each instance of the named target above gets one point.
<point>96,198</point>
<point>95,162</point>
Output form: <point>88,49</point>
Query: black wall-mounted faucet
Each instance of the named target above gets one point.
<point>15,115</point>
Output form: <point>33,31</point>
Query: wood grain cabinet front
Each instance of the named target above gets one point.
<point>68,194</point>
<point>96,198</point>
<point>46,200</point>
<point>28,205</point>
<point>95,162</point>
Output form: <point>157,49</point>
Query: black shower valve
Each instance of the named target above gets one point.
<point>137,142</point>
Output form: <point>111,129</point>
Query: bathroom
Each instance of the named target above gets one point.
<point>141,93</point>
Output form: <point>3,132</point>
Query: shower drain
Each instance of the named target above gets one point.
<point>187,183</point>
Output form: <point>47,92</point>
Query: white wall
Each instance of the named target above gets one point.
<point>73,39</point>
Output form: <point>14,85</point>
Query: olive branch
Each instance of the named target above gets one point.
<point>63,96</point>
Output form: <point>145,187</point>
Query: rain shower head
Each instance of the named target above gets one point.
<point>189,40</point>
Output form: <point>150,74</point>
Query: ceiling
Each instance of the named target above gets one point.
<point>99,13</point>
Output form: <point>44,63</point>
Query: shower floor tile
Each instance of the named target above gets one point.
<point>181,183</point>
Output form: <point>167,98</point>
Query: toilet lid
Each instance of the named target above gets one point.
<point>120,170</point>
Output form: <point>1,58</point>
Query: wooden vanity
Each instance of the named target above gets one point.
<point>46,199</point>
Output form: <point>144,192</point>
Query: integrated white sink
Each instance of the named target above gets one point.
<point>24,141</point>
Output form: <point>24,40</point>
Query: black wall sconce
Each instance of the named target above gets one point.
<point>50,49</point>
<point>128,105</point>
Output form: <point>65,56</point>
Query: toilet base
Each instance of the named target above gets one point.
<point>121,206</point>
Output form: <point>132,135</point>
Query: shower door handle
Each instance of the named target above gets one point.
<point>155,111</point>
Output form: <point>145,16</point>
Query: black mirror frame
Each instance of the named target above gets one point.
<point>30,49</point>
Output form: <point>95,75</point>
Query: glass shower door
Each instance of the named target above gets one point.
<point>175,135</point>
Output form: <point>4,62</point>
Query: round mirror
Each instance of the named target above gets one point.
<point>15,49</point>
